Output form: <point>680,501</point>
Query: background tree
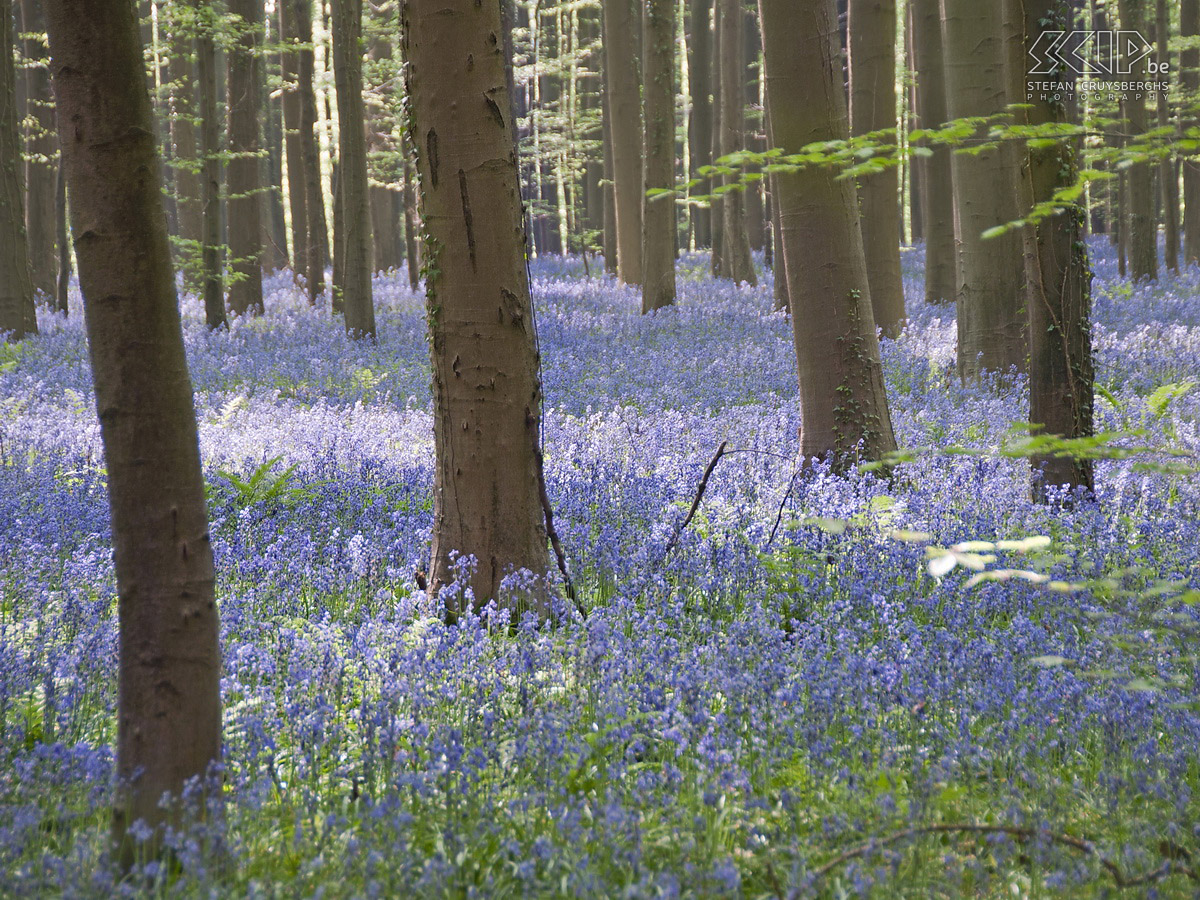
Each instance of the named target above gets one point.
<point>872,36</point>
<point>310,150</point>
<point>700,126</point>
<point>486,390</point>
<point>41,154</point>
<point>622,85</point>
<point>842,402</point>
<point>1189,82</point>
<point>357,243</point>
<point>168,707</point>
<point>658,212</point>
<point>1140,218</point>
<point>736,261</point>
<point>210,170</point>
<point>245,172</point>
<point>289,60</point>
<point>17,314</point>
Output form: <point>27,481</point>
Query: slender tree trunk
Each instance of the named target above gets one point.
<point>843,406</point>
<point>872,33</point>
<point>1143,228</point>
<point>717,216</point>
<point>735,246</point>
<point>755,140</point>
<point>1189,79</point>
<point>64,248</point>
<point>357,244</point>
<point>210,185</point>
<point>411,256</point>
<point>623,85</point>
<point>310,153</point>
<point>386,210</point>
<point>610,193</point>
<point>937,183</point>
<point>274,220</point>
<point>658,214</point>
<point>289,27</point>
<point>487,396</point>
<point>700,126</point>
<point>245,171</point>
<point>42,161</point>
<point>991,318</point>
<point>1168,177</point>
<point>186,167</point>
<point>1059,282</point>
<point>779,270</point>
<point>168,706</point>
<point>17,312</point>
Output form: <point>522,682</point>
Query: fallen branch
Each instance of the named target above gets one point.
<point>548,514</point>
<point>695,501</point>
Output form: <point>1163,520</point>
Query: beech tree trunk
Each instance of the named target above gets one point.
<point>210,180</point>
<point>186,164</point>
<point>1189,79</point>
<point>1167,175</point>
<point>310,152</point>
<point>717,216</point>
<point>843,407</point>
<point>357,243</point>
<point>274,219</point>
<point>386,209</point>
<point>991,316</point>
<point>411,250</point>
<point>1059,281</point>
<point>658,213</point>
<point>487,395</point>
<point>622,85</point>
<point>872,35</point>
<point>41,163</point>
<point>17,313</point>
<point>245,171</point>
<point>297,191</point>
<point>609,237</point>
<point>700,125</point>
<point>168,706</point>
<point>937,181</point>
<point>736,260</point>
<point>1143,226</point>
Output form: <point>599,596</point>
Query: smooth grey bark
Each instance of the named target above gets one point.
<point>736,260</point>
<point>1139,217</point>
<point>700,125</point>
<point>1189,79</point>
<point>658,213</point>
<point>41,164</point>
<point>245,201</point>
<point>17,315</point>
<point>622,85</point>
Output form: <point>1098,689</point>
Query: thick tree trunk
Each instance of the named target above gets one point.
<point>289,27</point>
<point>1189,79</point>
<point>245,171</point>
<point>1059,283</point>
<point>843,406</point>
<point>41,163</point>
<point>210,180</point>
<point>357,243</point>
<point>310,152</point>
<point>872,27</point>
<point>16,282</point>
<point>700,126</point>
<point>937,183</point>
<point>1143,226</point>
<point>168,707</point>
<point>991,317</point>
<point>658,213</point>
<point>735,242</point>
<point>1167,174</point>
<point>487,396</point>
<point>622,84</point>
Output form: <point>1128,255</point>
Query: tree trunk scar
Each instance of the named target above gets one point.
<point>512,305</point>
<point>494,109</point>
<point>468,219</point>
<point>431,145</point>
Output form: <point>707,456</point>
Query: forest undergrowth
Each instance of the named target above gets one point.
<point>918,686</point>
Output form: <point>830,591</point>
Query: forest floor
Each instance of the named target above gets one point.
<point>805,713</point>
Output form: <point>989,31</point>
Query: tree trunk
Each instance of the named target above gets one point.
<point>186,165</point>
<point>1143,227</point>
<point>64,249</point>
<point>357,244</point>
<point>1189,78</point>
<point>310,152</point>
<point>411,250</point>
<point>872,31</point>
<point>210,183</point>
<point>622,86</point>
<point>717,216</point>
<point>289,28</point>
<point>245,172</point>
<point>16,282</point>
<point>937,182</point>
<point>658,213</point>
<point>1168,177</point>
<point>755,140</point>
<point>42,149</point>
<point>991,318</point>
<point>487,396</point>
<point>168,706</point>
<point>700,126</point>
<point>843,406</point>
<point>274,220</point>
<point>1059,283</point>
<point>779,270</point>
<point>735,243</point>
<point>609,237</point>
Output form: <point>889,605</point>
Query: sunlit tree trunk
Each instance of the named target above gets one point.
<point>658,213</point>
<point>169,665</point>
<point>872,34</point>
<point>411,249</point>
<point>1167,174</point>
<point>1189,80</point>
<point>735,243</point>
<point>1143,226</point>
<point>245,172</point>
<point>700,125</point>
<point>622,84</point>
<point>274,220</point>
<point>297,190</point>
<point>310,152</point>
<point>991,316</point>
<point>42,152</point>
<point>609,237</point>
<point>386,209</point>
<point>843,406</point>
<point>16,282</point>
<point>210,172</point>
